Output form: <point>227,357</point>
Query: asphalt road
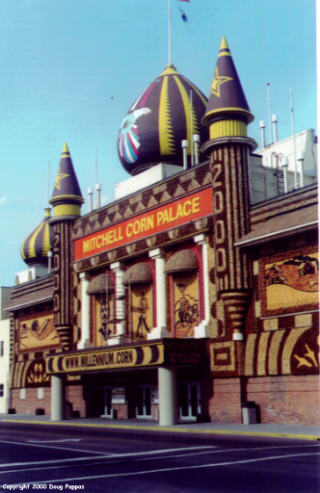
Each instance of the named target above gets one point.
<point>93,460</point>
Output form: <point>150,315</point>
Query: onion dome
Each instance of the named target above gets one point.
<point>227,111</point>
<point>35,248</point>
<point>66,197</point>
<point>167,112</point>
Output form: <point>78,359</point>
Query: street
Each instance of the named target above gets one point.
<point>65,458</point>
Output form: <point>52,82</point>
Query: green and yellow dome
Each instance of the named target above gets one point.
<point>35,248</point>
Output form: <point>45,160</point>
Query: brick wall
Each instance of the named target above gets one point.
<point>31,402</point>
<point>76,405</point>
<point>225,403</point>
<point>286,399</point>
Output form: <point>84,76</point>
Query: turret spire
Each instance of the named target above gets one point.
<point>227,112</point>
<point>66,197</point>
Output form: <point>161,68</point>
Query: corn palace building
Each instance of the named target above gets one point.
<point>183,299</point>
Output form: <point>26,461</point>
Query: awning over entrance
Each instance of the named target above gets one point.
<point>102,283</point>
<point>167,352</point>
<point>139,273</point>
<point>182,261</point>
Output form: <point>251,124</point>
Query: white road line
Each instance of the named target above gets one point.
<point>61,440</point>
<point>105,456</point>
<point>26,444</point>
<point>168,469</point>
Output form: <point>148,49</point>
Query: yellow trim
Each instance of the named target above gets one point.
<point>32,242</point>
<point>174,429</point>
<point>22,250</point>
<point>196,90</point>
<point>226,128</point>
<point>218,81</point>
<point>169,70</point>
<point>224,48</point>
<point>66,210</point>
<point>165,125</point>
<point>58,198</point>
<point>65,150</point>
<point>46,239</point>
<point>229,109</point>
<point>224,44</point>
<point>187,110</point>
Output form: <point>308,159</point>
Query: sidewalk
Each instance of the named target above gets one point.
<point>265,430</point>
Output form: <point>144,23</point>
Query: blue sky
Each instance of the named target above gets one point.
<point>71,69</point>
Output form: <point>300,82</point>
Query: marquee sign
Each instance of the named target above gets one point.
<point>106,359</point>
<point>171,352</point>
<point>176,213</point>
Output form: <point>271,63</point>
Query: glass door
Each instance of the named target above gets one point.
<point>144,395</point>
<point>107,402</point>
<point>190,406</point>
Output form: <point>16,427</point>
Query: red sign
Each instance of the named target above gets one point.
<point>168,216</point>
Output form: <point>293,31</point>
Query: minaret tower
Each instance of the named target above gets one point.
<point>227,116</point>
<point>66,201</point>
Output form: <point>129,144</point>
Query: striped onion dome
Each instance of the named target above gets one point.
<point>167,112</point>
<point>35,248</point>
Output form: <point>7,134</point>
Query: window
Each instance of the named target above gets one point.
<point>1,348</point>
<point>40,393</point>
<point>1,389</point>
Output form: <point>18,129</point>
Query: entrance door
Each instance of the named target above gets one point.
<point>107,402</point>
<point>143,408</point>
<point>190,406</point>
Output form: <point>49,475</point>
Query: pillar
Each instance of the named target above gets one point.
<point>57,398</point>
<point>85,311</point>
<point>117,268</point>
<point>160,330</point>
<point>202,330</point>
<point>168,405</point>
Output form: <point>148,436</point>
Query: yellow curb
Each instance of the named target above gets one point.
<point>169,429</point>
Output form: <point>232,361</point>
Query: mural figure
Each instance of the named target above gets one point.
<point>104,330</point>
<point>300,272</point>
<point>186,311</point>
<point>142,310</point>
<point>37,332</point>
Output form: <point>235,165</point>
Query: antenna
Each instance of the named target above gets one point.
<point>96,165</point>
<point>48,191</point>
<point>169,33</point>
<point>191,128</point>
<point>262,130</point>
<point>269,111</point>
<point>98,186</point>
<point>294,140</point>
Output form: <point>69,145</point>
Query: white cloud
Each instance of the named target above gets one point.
<point>3,200</point>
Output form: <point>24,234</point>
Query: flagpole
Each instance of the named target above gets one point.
<point>191,128</point>
<point>169,33</point>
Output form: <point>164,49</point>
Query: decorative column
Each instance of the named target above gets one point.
<point>120,300</point>
<point>227,115</point>
<point>202,330</point>
<point>160,330</point>
<point>57,398</point>
<point>66,201</point>
<point>85,311</point>
<point>168,402</point>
